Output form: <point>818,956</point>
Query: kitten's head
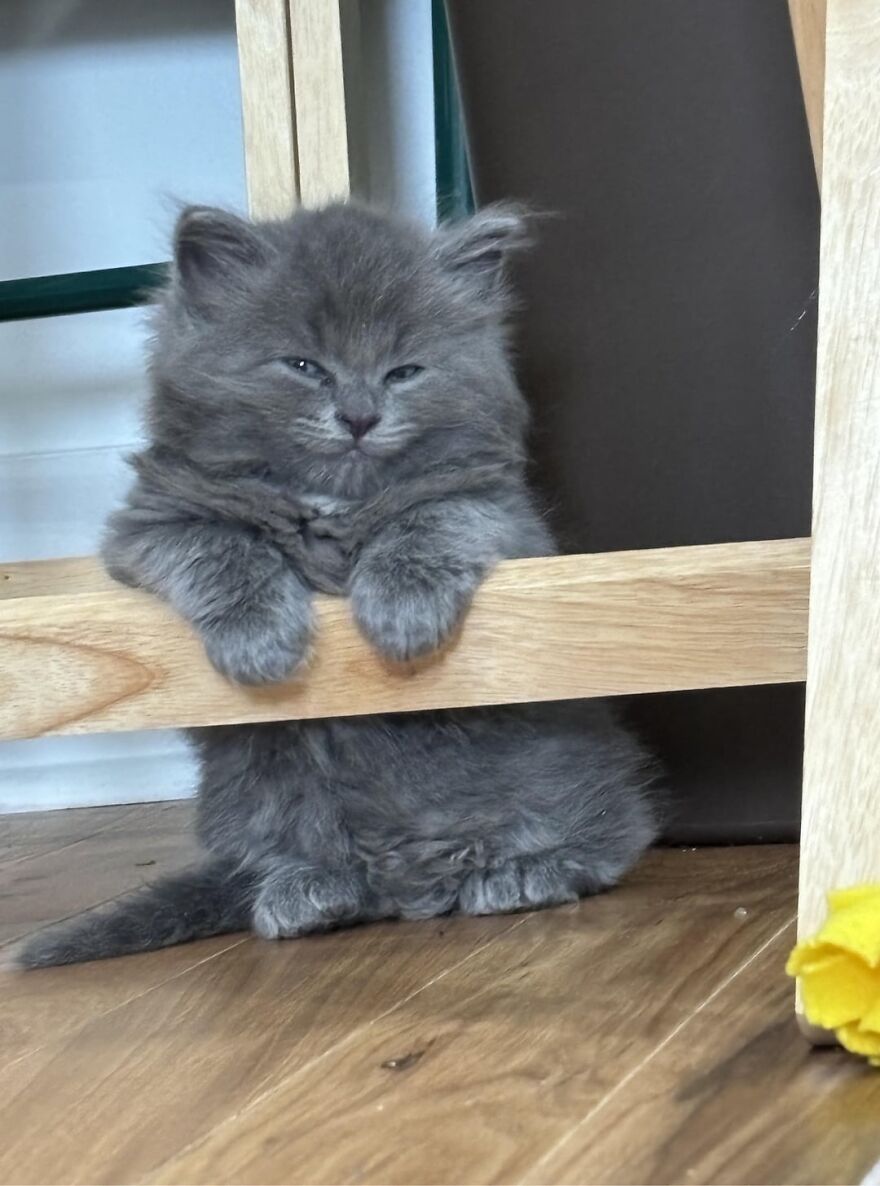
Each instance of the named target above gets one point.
<point>341,347</point>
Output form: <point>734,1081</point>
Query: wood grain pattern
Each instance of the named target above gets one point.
<point>569,626</point>
<point>47,1014</point>
<point>644,1035</point>
<point>734,1097</point>
<point>73,878</point>
<point>50,578</point>
<point>841,805</point>
<point>499,1058</point>
<point>263,34</point>
<point>178,1060</point>
<point>319,101</point>
<point>76,859</point>
<point>28,834</point>
<point>808,26</point>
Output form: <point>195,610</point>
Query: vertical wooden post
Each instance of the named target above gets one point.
<point>840,843</point>
<point>808,19</point>
<point>319,100</point>
<point>263,32</point>
<point>293,103</point>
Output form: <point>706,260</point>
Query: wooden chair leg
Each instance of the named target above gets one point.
<point>840,839</point>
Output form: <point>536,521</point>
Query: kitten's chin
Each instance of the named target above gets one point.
<point>353,474</point>
<point>347,470</point>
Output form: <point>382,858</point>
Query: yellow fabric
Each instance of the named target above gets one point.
<point>839,970</point>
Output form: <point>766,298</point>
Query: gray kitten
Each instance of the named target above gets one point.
<point>334,409</point>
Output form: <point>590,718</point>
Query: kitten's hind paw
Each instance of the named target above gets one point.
<point>295,900</point>
<point>527,882</point>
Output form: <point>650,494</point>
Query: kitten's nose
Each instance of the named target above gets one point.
<point>358,426</point>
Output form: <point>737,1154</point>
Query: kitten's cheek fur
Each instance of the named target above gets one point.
<point>403,619</point>
<point>260,649</point>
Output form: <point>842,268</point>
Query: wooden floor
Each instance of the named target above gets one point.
<point>644,1036</point>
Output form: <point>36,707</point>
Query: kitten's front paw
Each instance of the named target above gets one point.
<point>411,612</point>
<point>259,647</point>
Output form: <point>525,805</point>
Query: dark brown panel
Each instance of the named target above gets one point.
<point>668,347</point>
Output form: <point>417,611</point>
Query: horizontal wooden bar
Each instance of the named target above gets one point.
<point>80,654</point>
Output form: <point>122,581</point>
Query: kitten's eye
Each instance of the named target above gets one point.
<point>402,374</point>
<point>308,369</point>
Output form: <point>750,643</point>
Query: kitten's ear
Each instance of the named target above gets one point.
<point>477,248</point>
<point>214,250</point>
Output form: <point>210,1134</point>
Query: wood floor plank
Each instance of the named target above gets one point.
<point>604,1043</point>
<point>33,833</point>
<point>136,1085</point>
<point>471,1079</point>
<point>140,845</point>
<point>737,1096</point>
<point>51,1006</point>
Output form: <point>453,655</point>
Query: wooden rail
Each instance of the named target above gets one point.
<point>80,654</point>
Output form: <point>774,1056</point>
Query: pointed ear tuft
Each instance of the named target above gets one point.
<point>478,247</point>
<point>213,249</point>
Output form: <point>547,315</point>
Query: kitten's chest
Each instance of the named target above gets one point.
<point>328,541</point>
<point>329,505</point>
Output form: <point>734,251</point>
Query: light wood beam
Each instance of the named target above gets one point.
<point>79,654</point>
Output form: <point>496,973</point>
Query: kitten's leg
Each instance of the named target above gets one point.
<point>414,581</point>
<point>251,610</point>
<point>574,817</point>
<point>296,897</point>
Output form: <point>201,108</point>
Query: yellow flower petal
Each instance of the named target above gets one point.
<point>854,893</point>
<point>838,990</point>
<point>809,953</point>
<point>871,1017</point>
<point>839,970</point>
<point>854,924</point>
<point>858,1040</point>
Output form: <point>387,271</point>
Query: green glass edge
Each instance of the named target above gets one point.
<point>122,288</point>
<point>455,196</point>
<point>79,292</point>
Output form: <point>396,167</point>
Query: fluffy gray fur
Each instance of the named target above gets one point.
<point>291,453</point>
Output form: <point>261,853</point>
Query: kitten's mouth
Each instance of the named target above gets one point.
<point>366,450</point>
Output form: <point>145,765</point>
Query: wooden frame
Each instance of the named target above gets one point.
<point>110,658</point>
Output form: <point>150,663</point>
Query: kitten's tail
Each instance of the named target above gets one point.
<point>208,900</point>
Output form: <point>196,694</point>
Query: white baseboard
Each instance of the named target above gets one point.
<point>57,772</point>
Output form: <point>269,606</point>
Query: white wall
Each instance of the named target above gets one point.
<point>113,110</point>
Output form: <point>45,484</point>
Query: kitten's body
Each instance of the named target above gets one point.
<point>261,487</point>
